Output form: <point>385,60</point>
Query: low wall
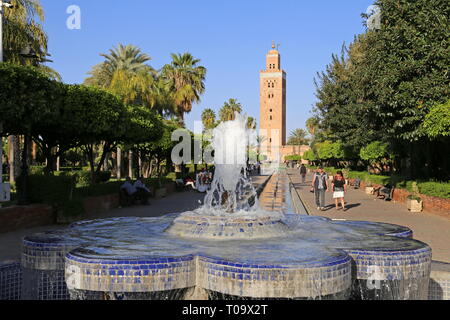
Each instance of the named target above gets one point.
<point>22,217</point>
<point>170,187</point>
<point>431,204</point>
<point>111,201</point>
<point>101,204</point>
<point>19,217</point>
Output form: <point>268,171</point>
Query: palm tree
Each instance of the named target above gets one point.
<point>298,137</point>
<point>251,123</point>
<point>99,76</point>
<point>22,29</point>
<point>312,125</point>
<point>125,73</point>
<point>228,110</point>
<point>163,102</point>
<point>186,80</point>
<point>208,119</point>
<point>127,59</point>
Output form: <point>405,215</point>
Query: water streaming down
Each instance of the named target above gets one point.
<point>234,247</point>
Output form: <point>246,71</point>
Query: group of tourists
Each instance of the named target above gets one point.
<point>320,185</point>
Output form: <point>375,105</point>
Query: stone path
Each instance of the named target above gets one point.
<point>11,242</point>
<point>431,229</point>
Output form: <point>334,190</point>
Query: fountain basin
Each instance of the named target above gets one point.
<point>318,258</point>
<point>309,258</point>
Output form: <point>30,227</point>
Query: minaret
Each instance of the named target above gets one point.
<point>273,105</point>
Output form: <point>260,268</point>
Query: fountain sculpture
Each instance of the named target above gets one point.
<point>234,246</point>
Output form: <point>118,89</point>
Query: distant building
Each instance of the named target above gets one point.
<point>273,111</point>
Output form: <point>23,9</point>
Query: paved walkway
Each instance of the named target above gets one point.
<point>431,229</point>
<point>11,242</point>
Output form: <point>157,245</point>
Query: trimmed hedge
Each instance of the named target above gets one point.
<point>83,177</point>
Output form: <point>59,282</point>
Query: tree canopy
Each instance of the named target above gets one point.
<point>389,84</point>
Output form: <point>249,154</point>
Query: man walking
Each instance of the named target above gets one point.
<point>320,186</point>
<point>303,172</point>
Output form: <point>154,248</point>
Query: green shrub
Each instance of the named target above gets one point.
<point>98,189</point>
<point>36,170</point>
<point>83,178</point>
<point>59,191</point>
<point>375,179</point>
<point>404,184</point>
<point>50,190</point>
<point>435,189</point>
<point>172,176</point>
<point>71,208</point>
<point>103,176</point>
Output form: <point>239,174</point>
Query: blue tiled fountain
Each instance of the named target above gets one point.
<point>228,249</point>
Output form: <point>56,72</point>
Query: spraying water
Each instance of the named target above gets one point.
<point>231,190</point>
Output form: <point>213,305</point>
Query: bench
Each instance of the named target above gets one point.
<point>127,200</point>
<point>356,183</point>
<point>385,195</point>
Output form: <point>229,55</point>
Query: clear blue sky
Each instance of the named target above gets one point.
<point>230,37</point>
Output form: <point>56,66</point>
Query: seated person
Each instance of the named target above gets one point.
<point>127,193</point>
<point>142,191</point>
<point>189,182</point>
<point>357,183</point>
<point>128,187</point>
<point>199,183</point>
<point>383,192</point>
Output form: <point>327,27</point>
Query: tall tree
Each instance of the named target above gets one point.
<point>125,73</point>
<point>227,112</point>
<point>22,27</point>
<point>251,123</point>
<point>186,80</point>
<point>312,124</point>
<point>298,137</point>
<point>385,83</point>
<point>208,119</point>
<point>24,43</point>
<point>127,59</point>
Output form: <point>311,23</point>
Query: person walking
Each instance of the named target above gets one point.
<point>320,186</point>
<point>339,189</point>
<point>303,172</point>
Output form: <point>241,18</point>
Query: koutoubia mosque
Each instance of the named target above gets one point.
<point>273,110</point>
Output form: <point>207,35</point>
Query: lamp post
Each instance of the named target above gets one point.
<point>6,4</point>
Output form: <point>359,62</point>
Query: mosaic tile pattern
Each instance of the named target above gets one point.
<point>439,281</point>
<point>44,256</point>
<point>146,275</point>
<point>271,281</point>
<point>43,268</point>
<point>10,280</point>
<point>391,275</point>
<point>225,228</point>
<point>44,285</point>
